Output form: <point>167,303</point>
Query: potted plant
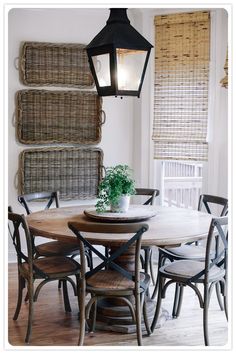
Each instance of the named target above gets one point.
<point>115,189</point>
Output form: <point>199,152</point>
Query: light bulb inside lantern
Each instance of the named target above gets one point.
<point>122,72</point>
<point>123,77</point>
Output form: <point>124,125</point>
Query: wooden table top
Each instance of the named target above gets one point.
<point>171,226</point>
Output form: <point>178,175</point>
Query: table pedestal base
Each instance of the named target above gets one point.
<point>118,318</point>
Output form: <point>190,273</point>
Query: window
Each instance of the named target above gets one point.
<point>182,43</point>
<point>181,86</point>
<point>182,184</point>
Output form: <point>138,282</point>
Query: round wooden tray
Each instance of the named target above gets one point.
<point>134,214</point>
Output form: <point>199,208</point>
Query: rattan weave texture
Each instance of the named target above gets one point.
<point>55,64</point>
<point>45,117</point>
<point>75,172</point>
<point>182,54</point>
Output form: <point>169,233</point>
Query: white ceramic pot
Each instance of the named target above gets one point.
<point>122,205</point>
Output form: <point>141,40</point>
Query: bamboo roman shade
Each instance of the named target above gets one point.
<point>181,86</point>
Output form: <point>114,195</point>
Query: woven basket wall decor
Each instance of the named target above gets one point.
<point>55,64</point>
<point>45,117</point>
<point>74,172</point>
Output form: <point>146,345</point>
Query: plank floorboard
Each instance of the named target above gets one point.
<point>53,327</point>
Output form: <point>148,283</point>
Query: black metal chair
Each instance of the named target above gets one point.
<point>114,281</point>
<point>192,251</point>
<point>52,248</point>
<point>192,272</point>
<point>146,259</point>
<point>30,269</point>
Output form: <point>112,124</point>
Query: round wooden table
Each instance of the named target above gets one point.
<point>170,227</point>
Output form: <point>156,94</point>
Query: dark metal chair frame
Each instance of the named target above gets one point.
<point>219,234</point>
<point>26,198</point>
<point>65,250</point>
<point>108,262</point>
<point>30,269</point>
<point>153,193</point>
<point>205,200</point>
<point>146,260</point>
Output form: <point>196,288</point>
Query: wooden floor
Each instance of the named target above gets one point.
<point>53,327</point>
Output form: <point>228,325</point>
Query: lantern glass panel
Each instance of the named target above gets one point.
<point>101,65</point>
<point>130,65</point>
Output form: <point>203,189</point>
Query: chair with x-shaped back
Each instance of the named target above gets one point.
<point>210,204</point>
<point>51,248</point>
<point>189,272</point>
<point>44,269</point>
<point>148,196</point>
<point>110,279</point>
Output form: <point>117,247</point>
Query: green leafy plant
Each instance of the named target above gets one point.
<point>118,181</point>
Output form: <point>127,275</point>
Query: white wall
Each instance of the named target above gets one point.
<point>65,26</point>
<point>216,170</point>
<point>143,108</point>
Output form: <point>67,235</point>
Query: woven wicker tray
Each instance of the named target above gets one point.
<point>45,117</point>
<point>74,172</point>
<point>55,64</point>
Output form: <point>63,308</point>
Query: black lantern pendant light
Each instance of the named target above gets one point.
<point>118,57</point>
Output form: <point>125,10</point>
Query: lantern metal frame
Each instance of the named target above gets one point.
<point>117,34</point>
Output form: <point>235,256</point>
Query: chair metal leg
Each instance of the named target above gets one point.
<point>142,261</point>
<point>151,268</point>
<point>59,284</point>
<point>226,307</point>
<point>161,282</point>
<point>219,296</point>
<point>146,259</point>
<point>145,317</point>
<point>160,262</point>
<point>30,313</point>
<point>21,285</point>
<point>88,308</point>
<point>181,292</point>
<point>224,292</point>
<point>138,318</point>
<point>205,317</point>
<point>81,302</point>
<point>91,259</point>
<point>94,315</point>
<point>176,300</point>
<point>65,296</point>
<point>89,256</point>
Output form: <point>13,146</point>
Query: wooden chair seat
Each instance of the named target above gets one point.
<point>111,279</point>
<point>189,251</point>
<point>52,266</point>
<point>186,269</point>
<point>56,248</point>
